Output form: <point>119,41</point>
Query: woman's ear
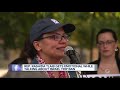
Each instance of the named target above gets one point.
<point>36,45</point>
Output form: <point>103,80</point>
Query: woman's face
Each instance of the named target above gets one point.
<point>106,44</point>
<point>53,44</point>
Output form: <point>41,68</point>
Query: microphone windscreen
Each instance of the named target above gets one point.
<point>68,48</point>
<point>70,52</point>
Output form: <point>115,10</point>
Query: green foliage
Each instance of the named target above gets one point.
<point>15,26</point>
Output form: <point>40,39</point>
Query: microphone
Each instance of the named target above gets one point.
<point>70,52</point>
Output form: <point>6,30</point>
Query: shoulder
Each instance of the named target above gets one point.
<point>91,72</point>
<point>95,62</point>
<point>34,61</point>
<point>19,61</point>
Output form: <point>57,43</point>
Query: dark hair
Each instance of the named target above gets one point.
<point>107,30</point>
<point>28,50</point>
<point>104,30</point>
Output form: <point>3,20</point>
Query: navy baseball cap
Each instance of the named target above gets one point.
<point>48,25</point>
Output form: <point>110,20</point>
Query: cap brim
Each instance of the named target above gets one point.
<point>67,28</point>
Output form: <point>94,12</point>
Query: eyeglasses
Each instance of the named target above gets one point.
<point>109,42</point>
<point>58,37</point>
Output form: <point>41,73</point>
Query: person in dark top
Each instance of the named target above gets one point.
<point>108,61</point>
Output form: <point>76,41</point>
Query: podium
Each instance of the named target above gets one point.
<point>99,76</point>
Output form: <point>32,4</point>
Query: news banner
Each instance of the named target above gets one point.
<point>62,67</point>
<point>53,67</point>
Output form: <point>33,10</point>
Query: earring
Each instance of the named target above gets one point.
<point>116,49</point>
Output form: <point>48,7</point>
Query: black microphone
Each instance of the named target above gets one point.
<point>70,52</point>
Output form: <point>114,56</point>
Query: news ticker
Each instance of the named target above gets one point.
<point>53,67</point>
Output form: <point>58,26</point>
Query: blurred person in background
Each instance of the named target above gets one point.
<point>108,61</point>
